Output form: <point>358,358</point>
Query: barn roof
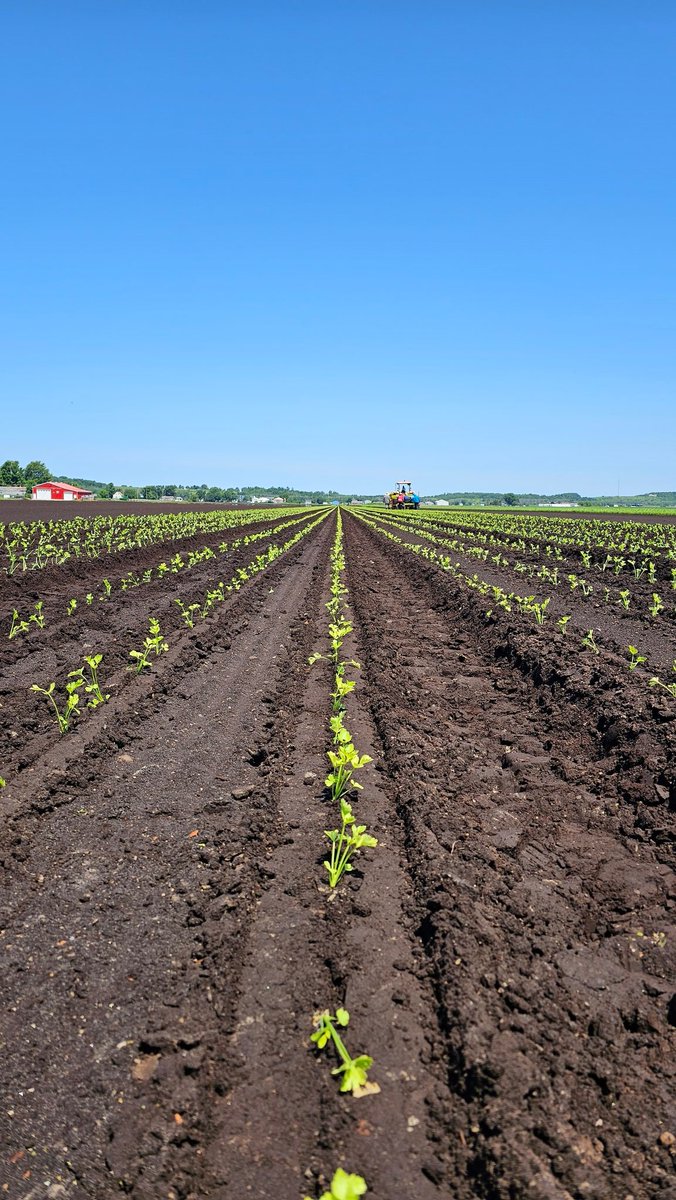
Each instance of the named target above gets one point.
<point>70,487</point>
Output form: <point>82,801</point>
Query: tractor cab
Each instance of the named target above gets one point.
<point>404,496</point>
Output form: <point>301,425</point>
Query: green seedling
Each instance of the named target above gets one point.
<point>71,709</point>
<point>38,617</point>
<point>70,608</point>
<point>89,598</point>
<point>3,782</point>
<point>625,599</point>
<point>18,626</point>
<point>91,685</point>
<point>153,644</point>
<point>353,1070</point>
<point>668,687</point>
<point>188,612</point>
<point>539,610</point>
<point>656,606</point>
<point>344,761</point>
<point>635,659</point>
<point>344,1187</point>
<point>562,623</point>
<point>589,642</point>
<point>341,735</point>
<point>338,631</point>
<point>345,842</point>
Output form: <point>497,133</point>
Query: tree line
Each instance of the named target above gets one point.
<point>14,475</point>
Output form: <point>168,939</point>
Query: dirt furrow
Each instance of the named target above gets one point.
<point>615,628</point>
<point>548,931</point>
<point>310,950</point>
<point>125,918</point>
<point>111,628</point>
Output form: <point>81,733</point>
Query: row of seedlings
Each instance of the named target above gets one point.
<point>33,545</point>
<point>177,564</point>
<point>84,681</point>
<point>506,601</point>
<point>344,842</point>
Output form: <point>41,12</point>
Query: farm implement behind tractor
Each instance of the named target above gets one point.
<point>404,497</point>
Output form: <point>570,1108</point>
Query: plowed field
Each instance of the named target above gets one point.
<point>506,953</point>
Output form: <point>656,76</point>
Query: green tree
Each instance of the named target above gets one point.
<point>35,472</point>
<point>11,473</point>
<point>510,499</point>
<point>151,492</point>
<point>106,492</point>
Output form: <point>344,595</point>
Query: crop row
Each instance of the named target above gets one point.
<point>614,547</point>
<point>345,842</point>
<point>32,545</point>
<point>183,561</point>
<point>82,686</point>
<point>505,601</point>
<point>640,597</point>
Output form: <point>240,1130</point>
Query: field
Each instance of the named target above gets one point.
<point>169,931</point>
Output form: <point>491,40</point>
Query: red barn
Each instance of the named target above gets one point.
<point>59,491</point>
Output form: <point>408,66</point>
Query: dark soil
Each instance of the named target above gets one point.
<point>504,952</point>
<point>60,510</point>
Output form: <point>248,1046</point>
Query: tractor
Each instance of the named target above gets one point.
<point>404,497</point>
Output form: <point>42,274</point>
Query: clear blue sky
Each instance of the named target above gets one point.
<point>326,242</point>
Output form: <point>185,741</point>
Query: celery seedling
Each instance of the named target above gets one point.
<point>38,617</point>
<point>588,641</point>
<point>353,1070</point>
<point>71,606</point>
<point>18,626</point>
<point>344,844</point>
<point>668,687</point>
<point>344,761</point>
<point>154,643</point>
<point>562,623</point>
<point>188,612</point>
<point>91,685</point>
<point>635,659</point>
<point>344,1187</point>
<point>72,702</point>
<point>656,606</point>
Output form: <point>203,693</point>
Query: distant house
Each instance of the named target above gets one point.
<point>11,493</point>
<point>442,504</point>
<point>60,491</point>
<point>117,496</point>
<point>278,500</point>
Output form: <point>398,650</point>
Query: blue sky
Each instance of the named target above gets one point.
<point>327,243</point>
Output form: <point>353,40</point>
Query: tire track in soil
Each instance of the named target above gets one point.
<point>285,1121</point>
<point>125,923</point>
<point>553,1011</point>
